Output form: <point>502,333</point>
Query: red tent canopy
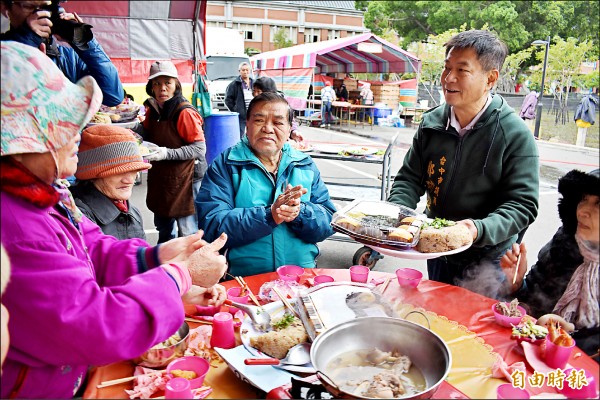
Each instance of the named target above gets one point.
<point>136,33</point>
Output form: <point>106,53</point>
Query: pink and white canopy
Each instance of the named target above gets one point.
<point>351,54</point>
<point>136,33</point>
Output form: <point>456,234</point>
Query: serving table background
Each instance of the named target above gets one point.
<point>462,318</point>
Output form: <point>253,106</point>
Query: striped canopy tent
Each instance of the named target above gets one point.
<point>293,67</point>
<point>135,33</point>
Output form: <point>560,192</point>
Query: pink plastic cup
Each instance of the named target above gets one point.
<point>207,311</point>
<point>191,363</point>
<point>178,388</point>
<point>557,356</point>
<point>323,279</point>
<point>359,273</point>
<point>290,272</point>
<point>585,392</point>
<point>233,294</point>
<point>508,391</point>
<point>222,332</point>
<point>408,277</point>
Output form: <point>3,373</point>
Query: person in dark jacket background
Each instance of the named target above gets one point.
<point>239,93</point>
<point>478,163</point>
<point>109,159</point>
<point>564,280</point>
<point>30,25</point>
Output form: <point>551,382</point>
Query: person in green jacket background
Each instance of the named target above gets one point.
<point>478,163</point>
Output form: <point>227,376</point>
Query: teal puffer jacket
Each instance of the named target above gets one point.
<point>236,197</point>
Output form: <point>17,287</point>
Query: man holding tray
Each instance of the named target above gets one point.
<point>476,160</point>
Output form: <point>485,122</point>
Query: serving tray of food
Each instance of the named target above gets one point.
<point>399,231</point>
<point>379,223</point>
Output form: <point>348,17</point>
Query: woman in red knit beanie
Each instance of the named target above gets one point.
<point>109,159</point>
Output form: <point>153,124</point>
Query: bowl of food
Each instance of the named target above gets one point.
<point>380,357</point>
<point>192,368</point>
<point>161,354</point>
<point>508,314</point>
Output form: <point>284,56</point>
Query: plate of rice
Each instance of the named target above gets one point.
<point>287,332</point>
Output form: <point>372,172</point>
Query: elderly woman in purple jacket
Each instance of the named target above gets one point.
<point>77,297</point>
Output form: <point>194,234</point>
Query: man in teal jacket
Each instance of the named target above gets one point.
<point>267,196</point>
<point>477,161</point>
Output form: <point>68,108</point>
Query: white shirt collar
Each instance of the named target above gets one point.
<point>456,125</point>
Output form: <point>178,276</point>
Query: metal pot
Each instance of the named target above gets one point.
<point>160,358</point>
<point>426,350</point>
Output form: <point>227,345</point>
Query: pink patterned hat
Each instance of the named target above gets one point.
<point>41,109</point>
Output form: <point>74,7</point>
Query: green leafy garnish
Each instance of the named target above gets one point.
<point>284,322</point>
<point>439,223</point>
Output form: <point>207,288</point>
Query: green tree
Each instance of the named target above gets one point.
<point>564,61</point>
<point>511,70</point>
<point>432,55</point>
<point>518,23</point>
<point>280,39</point>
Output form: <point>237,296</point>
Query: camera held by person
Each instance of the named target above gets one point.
<point>72,31</point>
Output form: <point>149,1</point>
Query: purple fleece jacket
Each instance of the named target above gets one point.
<point>76,299</point>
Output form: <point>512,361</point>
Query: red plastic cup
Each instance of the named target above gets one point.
<point>408,277</point>
<point>191,363</point>
<point>323,279</point>
<point>233,294</point>
<point>508,391</point>
<point>290,272</point>
<point>178,388</point>
<point>222,332</point>
<point>557,356</point>
<point>359,273</point>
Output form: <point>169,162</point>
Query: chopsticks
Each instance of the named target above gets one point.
<point>198,321</point>
<point>128,379</point>
<point>384,285</point>
<point>516,269</point>
<point>285,301</point>
<point>240,280</point>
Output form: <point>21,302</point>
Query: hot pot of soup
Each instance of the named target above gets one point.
<point>380,357</point>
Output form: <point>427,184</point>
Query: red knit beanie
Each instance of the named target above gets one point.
<point>107,150</point>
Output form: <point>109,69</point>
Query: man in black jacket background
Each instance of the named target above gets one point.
<point>239,94</point>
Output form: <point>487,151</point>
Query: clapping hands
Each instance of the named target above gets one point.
<point>287,205</point>
<point>205,264</point>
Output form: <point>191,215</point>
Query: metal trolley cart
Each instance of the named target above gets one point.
<point>365,255</point>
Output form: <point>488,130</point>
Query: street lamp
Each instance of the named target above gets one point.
<point>538,115</point>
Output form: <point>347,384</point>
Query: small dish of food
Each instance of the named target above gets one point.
<point>508,314</point>
<point>529,331</point>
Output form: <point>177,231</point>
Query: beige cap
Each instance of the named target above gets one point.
<point>162,68</point>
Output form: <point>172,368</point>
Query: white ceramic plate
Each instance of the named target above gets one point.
<point>413,254</point>
<point>247,330</point>
<point>328,148</point>
<point>151,147</point>
<point>361,150</point>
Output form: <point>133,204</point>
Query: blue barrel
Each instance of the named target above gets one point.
<point>221,131</point>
